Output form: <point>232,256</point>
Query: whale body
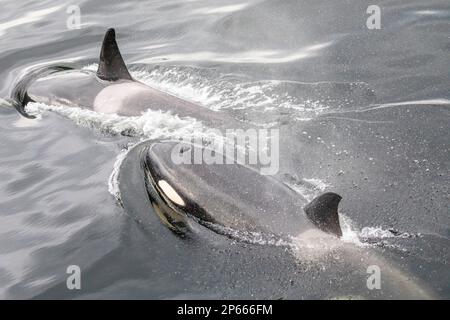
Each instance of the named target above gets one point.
<point>109,90</point>
<point>237,202</point>
<point>224,197</point>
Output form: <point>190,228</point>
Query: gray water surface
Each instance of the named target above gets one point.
<point>364,113</point>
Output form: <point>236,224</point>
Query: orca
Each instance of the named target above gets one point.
<point>109,90</point>
<point>226,198</point>
<point>237,202</point>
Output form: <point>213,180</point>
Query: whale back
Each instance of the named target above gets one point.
<point>228,195</point>
<point>58,89</point>
<point>110,89</point>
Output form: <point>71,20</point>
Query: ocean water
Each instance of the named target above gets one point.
<point>361,112</point>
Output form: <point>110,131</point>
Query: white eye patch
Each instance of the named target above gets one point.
<point>170,192</point>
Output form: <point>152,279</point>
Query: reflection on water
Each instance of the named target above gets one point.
<point>262,56</point>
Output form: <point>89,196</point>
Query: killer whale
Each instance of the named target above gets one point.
<point>109,90</point>
<point>198,194</point>
<point>223,197</point>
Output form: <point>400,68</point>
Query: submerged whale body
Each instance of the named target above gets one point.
<point>226,197</point>
<point>109,90</point>
<point>235,201</point>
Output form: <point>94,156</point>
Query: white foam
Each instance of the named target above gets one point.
<point>217,94</point>
<point>90,67</point>
<point>372,233</point>
<point>350,234</point>
<point>113,181</point>
<point>151,124</point>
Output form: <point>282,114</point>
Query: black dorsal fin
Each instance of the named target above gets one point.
<point>323,212</point>
<point>111,66</point>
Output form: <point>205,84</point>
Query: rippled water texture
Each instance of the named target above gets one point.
<point>364,113</point>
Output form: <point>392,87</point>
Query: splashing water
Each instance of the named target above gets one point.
<point>113,182</point>
<point>218,92</point>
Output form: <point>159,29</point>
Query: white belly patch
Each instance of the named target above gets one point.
<point>116,98</point>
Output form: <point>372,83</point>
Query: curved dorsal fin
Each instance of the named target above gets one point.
<point>111,66</point>
<point>323,212</point>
